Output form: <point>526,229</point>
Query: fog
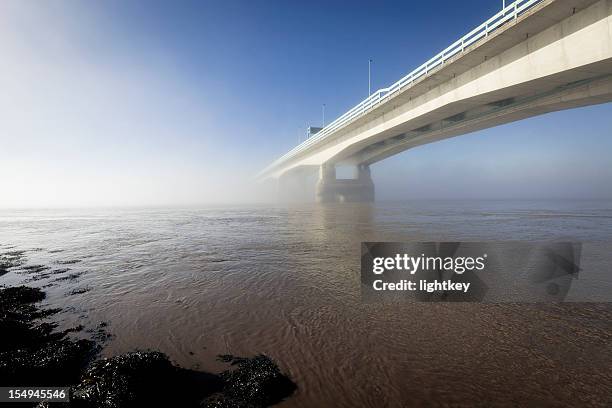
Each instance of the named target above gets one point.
<point>84,122</point>
<point>88,118</point>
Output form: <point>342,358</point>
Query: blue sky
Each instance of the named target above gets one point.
<point>159,102</point>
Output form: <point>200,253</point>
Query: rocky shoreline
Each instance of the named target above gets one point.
<point>34,353</point>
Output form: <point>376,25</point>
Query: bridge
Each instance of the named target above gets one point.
<point>531,58</point>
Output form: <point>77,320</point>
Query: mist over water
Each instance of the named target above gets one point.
<point>284,281</point>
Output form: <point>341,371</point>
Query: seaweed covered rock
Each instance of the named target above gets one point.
<point>31,352</point>
<point>10,260</point>
<point>17,296</point>
<point>124,381</point>
<point>17,315</point>
<point>253,383</point>
<point>56,362</point>
<point>149,379</point>
<point>141,379</point>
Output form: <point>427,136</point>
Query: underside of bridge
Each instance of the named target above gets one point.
<point>556,56</point>
<point>360,188</point>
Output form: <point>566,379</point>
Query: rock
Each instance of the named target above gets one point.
<point>15,296</point>
<point>33,353</point>
<point>256,382</point>
<point>9,260</point>
<point>142,378</point>
<point>57,362</point>
<point>124,381</point>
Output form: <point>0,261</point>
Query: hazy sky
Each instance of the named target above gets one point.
<point>145,102</point>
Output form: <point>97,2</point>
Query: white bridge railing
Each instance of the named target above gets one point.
<point>510,12</point>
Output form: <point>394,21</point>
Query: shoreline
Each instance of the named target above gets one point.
<point>35,353</point>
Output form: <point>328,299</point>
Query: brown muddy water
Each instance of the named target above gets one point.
<point>284,281</point>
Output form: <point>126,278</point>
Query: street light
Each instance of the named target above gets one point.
<point>370,76</point>
<point>323,115</point>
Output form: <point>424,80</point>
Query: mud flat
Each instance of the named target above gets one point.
<point>34,353</point>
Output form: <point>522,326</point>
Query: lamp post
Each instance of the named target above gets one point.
<point>323,115</point>
<point>370,76</point>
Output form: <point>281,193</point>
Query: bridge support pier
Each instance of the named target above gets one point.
<point>333,190</point>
